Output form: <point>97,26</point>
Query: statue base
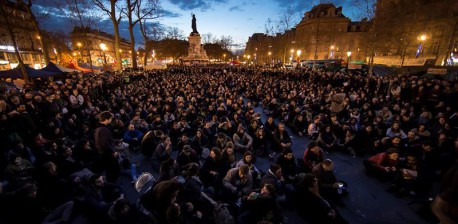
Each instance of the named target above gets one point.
<point>196,52</point>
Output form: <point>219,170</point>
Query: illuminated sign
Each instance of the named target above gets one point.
<point>3,62</point>
<point>5,47</point>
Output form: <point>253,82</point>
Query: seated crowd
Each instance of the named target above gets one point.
<point>66,143</point>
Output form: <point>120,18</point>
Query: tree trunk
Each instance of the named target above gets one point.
<point>9,28</point>
<point>133,55</point>
<point>116,34</point>
<point>43,43</point>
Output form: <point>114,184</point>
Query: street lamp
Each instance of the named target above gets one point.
<point>421,38</point>
<point>292,54</point>
<point>249,56</point>
<point>298,52</point>
<point>331,54</point>
<point>224,55</point>
<point>348,57</point>
<point>104,48</point>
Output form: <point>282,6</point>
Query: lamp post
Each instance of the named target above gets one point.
<point>249,56</point>
<point>421,38</point>
<point>348,57</point>
<point>298,52</point>
<point>104,48</point>
<point>331,53</point>
<point>270,61</point>
<point>292,54</point>
<point>224,56</point>
<point>79,49</point>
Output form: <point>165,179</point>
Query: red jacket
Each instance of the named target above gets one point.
<point>382,160</point>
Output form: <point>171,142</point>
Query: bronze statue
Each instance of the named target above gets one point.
<point>194,26</point>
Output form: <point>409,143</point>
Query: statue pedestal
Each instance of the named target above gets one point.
<point>195,51</point>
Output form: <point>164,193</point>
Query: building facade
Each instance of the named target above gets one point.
<point>99,46</point>
<point>407,33</point>
<point>26,38</point>
<point>323,33</point>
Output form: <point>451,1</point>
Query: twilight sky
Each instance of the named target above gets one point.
<point>237,18</point>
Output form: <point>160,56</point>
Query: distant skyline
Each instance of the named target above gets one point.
<point>237,18</point>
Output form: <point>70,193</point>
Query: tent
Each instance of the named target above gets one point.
<point>72,65</point>
<point>87,66</point>
<point>33,73</point>
<point>51,67</point>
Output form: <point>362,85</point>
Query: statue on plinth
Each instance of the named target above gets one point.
<point>194,25</point>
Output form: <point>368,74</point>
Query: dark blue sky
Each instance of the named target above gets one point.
<point>237,18</point>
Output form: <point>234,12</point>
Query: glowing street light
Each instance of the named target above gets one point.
<point>348,57</point>
<point>421,38</point>
<point>104,48</point>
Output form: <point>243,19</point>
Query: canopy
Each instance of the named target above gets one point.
<point>234,63</point>
<point>33,73</point>
<point>72,65</point>
<point>51,67</point>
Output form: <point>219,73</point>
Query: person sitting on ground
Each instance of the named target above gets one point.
<point>184,140</point>
<point>187,156</point>
<point>312,156</point>
<point>260,206</point>
<point>383,165</point>
<point>242,141</point>
<point>311,206</point>
<point>222,140</point>
<point>274,176</point>
<point>281,140</point>
<point>238,182</point>
<point>327,140</point>
<point>214,168</point>
<point>396,131</point>
<point>228,155</point>
<point>200,143</point>
<point>300,125</point>
<point>288,165</point>
<point>249,160</point>
<point>163,151</point>
<point>260,143</point>
<point>314,128</point>
<point>133,137</point>
<point>168,170</point>
<point>330,187</point>
<point>405,181</point>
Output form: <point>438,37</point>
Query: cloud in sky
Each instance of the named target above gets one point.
<point>236,8</point>
<point>301,6</point>
<point>202,5</point>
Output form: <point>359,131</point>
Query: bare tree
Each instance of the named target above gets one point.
<point>208,38</point>
<point>79,13</point>
<point>174,33</point>
<point>114,11</point>
<point>226,42</point>
<point>288,18</point>
<point>367,8</point>
<point>270,27</point>
<point>157,31</point>
<point>10,29</point>
<point>143,10</point>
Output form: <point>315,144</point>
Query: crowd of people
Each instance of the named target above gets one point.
<point>66,143</point>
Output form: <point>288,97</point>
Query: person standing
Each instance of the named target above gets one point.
<point>104,143</point>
